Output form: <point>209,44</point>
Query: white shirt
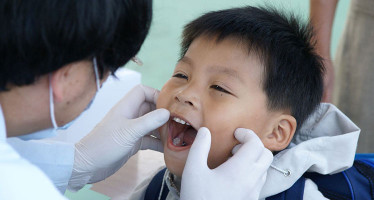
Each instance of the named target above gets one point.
<point>18,178</point>
<point>54,158</point>
<point>53,152</point>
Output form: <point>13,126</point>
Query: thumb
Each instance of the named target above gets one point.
<point>150,121</point>
<point>198,155</point>
<point>246,136</point>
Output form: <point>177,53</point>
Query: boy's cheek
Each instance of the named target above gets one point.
<point>267,145</point>
<point>162,99</point>
<point>163,133</point>
<point>159,101</point>
<point>158,104</point>
<point>220,151</point>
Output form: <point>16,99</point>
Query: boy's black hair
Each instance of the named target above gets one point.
<point>293,72</point>
<point>40,36</point>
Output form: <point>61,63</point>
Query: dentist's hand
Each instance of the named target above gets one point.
<point>240,177</point>
<point>122,132</point>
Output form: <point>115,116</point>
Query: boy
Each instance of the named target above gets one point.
<point>253,68</point>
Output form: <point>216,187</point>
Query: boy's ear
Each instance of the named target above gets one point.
<point>282,133</point>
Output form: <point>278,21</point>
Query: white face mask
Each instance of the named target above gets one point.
<point>51,104</point>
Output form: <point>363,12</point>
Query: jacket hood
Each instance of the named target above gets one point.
<point>326,143</point>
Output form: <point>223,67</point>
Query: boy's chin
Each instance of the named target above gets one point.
<point>177,172</point>
<point>175,167</point>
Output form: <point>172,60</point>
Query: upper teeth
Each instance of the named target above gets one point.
<point>181,121</point>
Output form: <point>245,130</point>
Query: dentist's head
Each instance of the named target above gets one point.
<point>47,49</point>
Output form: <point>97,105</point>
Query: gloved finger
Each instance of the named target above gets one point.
<point>145,108</point>
<point>199,151</point>
<point>266,158</point>
<point>251,147</point>
<point>236,148</point>
<point>248,153</point>
<point>196,170</point>
<point>151,94</point>
<point>246,135</point>
<point>135,98</point>
<point>150,121</point>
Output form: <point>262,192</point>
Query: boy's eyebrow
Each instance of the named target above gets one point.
<point>225,70</point>
<point>187,60</point>
<point>215,69</point>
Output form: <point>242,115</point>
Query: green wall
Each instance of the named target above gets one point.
<point>161,48</point>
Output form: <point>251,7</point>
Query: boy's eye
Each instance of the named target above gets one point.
<point>219,88</point>
<point>179,75</point>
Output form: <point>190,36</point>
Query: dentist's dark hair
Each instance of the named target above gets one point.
<point>40,36</point>
<point>292,75</point>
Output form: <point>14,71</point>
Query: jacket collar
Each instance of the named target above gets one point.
<point>326,144</point>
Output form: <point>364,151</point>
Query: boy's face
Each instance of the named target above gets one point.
<point>215,85</point>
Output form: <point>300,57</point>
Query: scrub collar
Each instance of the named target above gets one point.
<point>51,103</point>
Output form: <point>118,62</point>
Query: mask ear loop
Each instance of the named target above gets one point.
<point>51,105</point>
<point>96,74</point>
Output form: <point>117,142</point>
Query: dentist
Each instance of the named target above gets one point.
<point>54,56</point>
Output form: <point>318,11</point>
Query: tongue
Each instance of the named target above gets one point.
<point>185,137</point>
<point>189,136</point>
<point>178,141</point>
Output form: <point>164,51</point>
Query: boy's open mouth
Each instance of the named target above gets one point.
<point>181,133</point>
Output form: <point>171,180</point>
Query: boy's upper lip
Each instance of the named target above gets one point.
<point>172,115</point>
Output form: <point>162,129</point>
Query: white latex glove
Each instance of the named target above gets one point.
<point>121,133</point>
<point>240,177</point>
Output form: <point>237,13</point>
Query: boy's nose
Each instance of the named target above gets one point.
<point>187,97</point>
